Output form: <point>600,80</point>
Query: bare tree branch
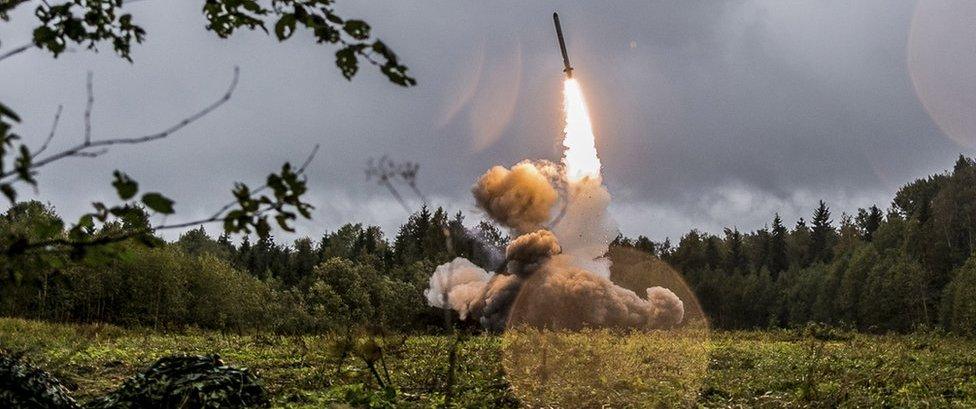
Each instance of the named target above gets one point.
<point>83,149</point>
<point>88,106</point>
<point>396,195</point>
<point>92,154</point>
<point>50,136</point>
<point>413,185</point>
<point>217,217</point>
<point>15,51</point>
<point>385,170</point>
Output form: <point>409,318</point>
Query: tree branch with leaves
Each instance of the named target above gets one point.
<point>95,23</point>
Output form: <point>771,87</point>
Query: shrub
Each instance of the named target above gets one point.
<point>188,382</point>
<point>958,300</point>
<point>23,385</point>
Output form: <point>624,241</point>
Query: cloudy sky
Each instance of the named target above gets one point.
<point>707,113</point>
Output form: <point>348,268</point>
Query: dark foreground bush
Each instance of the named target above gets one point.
<point>178,381</point>
<point>23,385</point>
<point>188,382</point>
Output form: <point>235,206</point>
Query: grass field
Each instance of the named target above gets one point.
<point>721,369</point>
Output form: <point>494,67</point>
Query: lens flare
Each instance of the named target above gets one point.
<point>580,156</point>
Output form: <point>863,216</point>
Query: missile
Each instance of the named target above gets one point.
<point>562,46</point>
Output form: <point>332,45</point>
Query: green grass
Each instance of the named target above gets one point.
<point>721,369</point>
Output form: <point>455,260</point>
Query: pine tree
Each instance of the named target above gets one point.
<point>322,246</point>
<point>868,221</point>
<point>799,244</point>
<point>242,259</point>
<point>460,243</point>
<point>757,249</point>
<point>821,235</point>
<point>778,261</point>
<point>303,260</point>
<point>645,244</point>
<point>713,252</point>
<point>689,256</point>
<point>226,246</point>
<point>489,250</point>
<point>665,251</point>
<point>736,261</point>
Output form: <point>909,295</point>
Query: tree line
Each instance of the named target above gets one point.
<point>910,266</point>
<point>353,276</point>
<point>907,267</point>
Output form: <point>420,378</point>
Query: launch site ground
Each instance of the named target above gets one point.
<point>777,368</point>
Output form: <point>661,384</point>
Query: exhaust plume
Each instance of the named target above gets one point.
<point>580,155</point>
<point>556,272</point>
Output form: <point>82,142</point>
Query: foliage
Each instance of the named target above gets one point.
<point>92,23</point>
<point>878,272</point>
<point>879,278</point>
<point>181,381</point>
<point>23,385</point>
<point>348,278</point>
<point>959,304</point>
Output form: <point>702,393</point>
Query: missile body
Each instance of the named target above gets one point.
<point>562,46</point>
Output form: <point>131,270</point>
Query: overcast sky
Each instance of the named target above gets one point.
<point>707,113</point>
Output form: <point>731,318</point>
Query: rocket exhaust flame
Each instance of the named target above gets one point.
<point>580,156</point>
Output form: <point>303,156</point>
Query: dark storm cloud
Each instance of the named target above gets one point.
<point>707,113</point>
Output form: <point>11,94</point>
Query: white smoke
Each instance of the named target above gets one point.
<point>456,285</point>
<point>586,229</point>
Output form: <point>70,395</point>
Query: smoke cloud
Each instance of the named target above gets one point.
<point>456,285</point>
<point>521,198</point>
<point>556,274</point>
<point>527,252</point>
<point>567,297</point>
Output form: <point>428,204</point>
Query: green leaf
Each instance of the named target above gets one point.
<point>125,186</point>
<point>282,220</point>
<point>9,192</point>
<point>7,112</point>
<point>285,27</point>
<point>86,222</point>
<point>347,62</point>
<point>158,203</point>
<point>263,228</point>
<point>333,18</point>
<point>358,29</point>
